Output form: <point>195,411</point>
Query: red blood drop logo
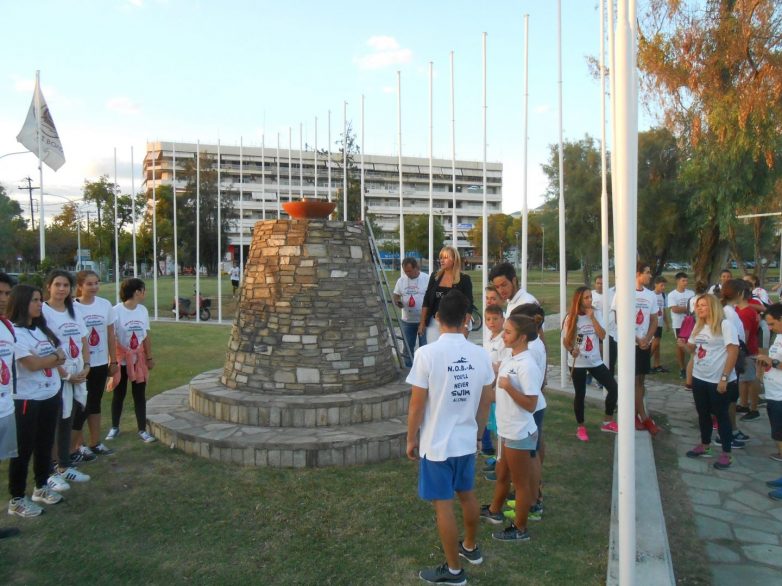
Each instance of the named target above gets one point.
<point>701,352</point>
<point>47,372</point>
<point>639,317</point>
<point>73,349</point>
<point>411,302</point>
<point>133,342</point>
<point>588,346</point>
<point>5,373</point>
<point>94,338</point>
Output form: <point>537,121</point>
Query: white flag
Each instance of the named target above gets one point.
<point>51,147</point>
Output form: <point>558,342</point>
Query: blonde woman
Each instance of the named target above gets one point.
<point>714,344</point>
<point>450,276</point>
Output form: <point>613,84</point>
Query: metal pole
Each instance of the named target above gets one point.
<point>485,213</point>
<point>219,236</point>
<point>133,210</point>
<point>78,239</point>
<point>198,231</point>
<point>301,162</point>
<point>604,185</point>
<point>176,242</point>
<point>279,186</point>
<point>41,214</point>
<point>362,158</point>
<point>154,239</point>
<point>562,255</point>
<point>431,170</point>
<point>241,207</point>
<point>116,231</point>
<point>316,157</point>
<point>454,236</point>
<point>524,208</point>
<point>263,177</point>
<point>345,163</point>
<point>290,165</point>
<point>328,162</point>
<point>399,132</point>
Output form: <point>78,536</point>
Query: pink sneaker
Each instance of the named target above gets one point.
<point>581,433</point>
<point>610,427</point>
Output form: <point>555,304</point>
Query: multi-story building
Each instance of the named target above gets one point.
<point>263,178</point>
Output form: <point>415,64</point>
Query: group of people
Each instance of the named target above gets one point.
<point>460,392</point>
<point>59,351</point>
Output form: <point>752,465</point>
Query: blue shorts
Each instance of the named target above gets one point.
<point>527,444</point>
<point>439,481</point>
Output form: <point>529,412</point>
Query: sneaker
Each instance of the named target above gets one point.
<point>535,512</point>
<point>651,426</point>
<point>737,444</point>
<point>610,427</point>
<point>23,507</point>
<point>473,556</point>
<point>724,461</point>
<point>750,415</point>
<point>46,495</point>
<point>776,458</point>
<point>662,369</point>
<point>682,374</point>
<point>639,425</point>
<point>73,475</point>
<point>490,476</point>
<point>113,432</point>
<point>101,450</point>
<point>146,437</point>
<point>494,518</point>
<point>581,433</point>
<point>511,533</point>
<point>775,483</point>
<point>740,435</point>
<point>489,467</point>
<point>742,408</point>
<point>80,457</point>
<point>57,482</point>
<point>442,575</point>
<point>700,451</point>
<point>86,451</point>
<point>775,495</point>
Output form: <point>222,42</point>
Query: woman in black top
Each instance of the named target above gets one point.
<point>449,277</point>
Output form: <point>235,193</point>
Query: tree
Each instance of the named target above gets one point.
<point>12,226</point>
<point>498,237</point>
<point>713,66</point>
<point>417,234</point>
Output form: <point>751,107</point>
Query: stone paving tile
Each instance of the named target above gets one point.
<point>704,497</point>
<point>744,574</point>
<point>712,529</point>
<point>767,554</point>
<point>754,536</point>
<point>721,553</point>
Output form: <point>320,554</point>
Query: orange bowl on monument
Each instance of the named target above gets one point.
<point>309,208</point>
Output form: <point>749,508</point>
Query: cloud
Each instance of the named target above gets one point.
<point>543,109</point>
<point>385,52</point>
<point>388,89</point>
<point>122,105</point>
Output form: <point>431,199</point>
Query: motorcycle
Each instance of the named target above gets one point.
<point>185,305</point>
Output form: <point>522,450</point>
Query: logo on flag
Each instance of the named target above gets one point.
<point>51,151</point>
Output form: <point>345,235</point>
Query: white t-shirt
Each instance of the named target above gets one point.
<point>520,298</point>
<point>660,309</point>
<point>131,326</point>
<point>234,273</point>
<point>589,345</point>
<point>597,305</point>
<point>412,293</point>
<point>677,299</point>
<point>97,316</point>
<point>6,371</point>
<point>513,422</point>
<point>711,352</point>
<point>454,371</point>
<point>772,379</point>
<point>70,331</point>
<point>645,304</point>
<point>35,385</point>
<point>538,350</point>
<point>761,294</point>
<point>735,320</point>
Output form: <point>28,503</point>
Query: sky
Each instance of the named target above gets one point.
<point>119,73</point>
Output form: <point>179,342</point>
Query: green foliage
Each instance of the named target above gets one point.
<point>417,235</point>
<point>499,237</point>
<point>12,225</point>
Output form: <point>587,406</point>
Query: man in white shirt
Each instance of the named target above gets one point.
<point>503,277</point>
<point>679,302</point>
<point>451,391</point>
<point>408,296</point>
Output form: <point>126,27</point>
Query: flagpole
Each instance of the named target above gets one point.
<point>485,212</point>
<point>605,306</point>
<point>316,157</point>
<point>154,238</point>
<point>198,230</point>
<point>363,203</point>
<point>116,231</point>
<point>328,162</point>
<point>263,177</point>
<point>345,163</point>
<point>524,208</point>
<point>176,242</point>
<point>133,210</point>
<point>241,209</point>
<point>41,213</point>
<point>431,170</point>
<point>219,236</point>
<point>290,166</point>
<point>399,151</point>
<point>562,256</point>
<point>453,164</point>
<point>278,176</point>
<point>301,163</point>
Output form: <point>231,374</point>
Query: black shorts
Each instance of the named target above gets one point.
<point>234,283</point>
<point>643,361</point>
<point>658,332</point>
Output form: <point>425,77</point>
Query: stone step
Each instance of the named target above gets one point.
<point>173,423</point>
<point>209,397</point>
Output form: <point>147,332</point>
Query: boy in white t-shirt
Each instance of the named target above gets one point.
<point>678,301</point>
<point>452,382</point>
<point>662,323</point>
<point>493,320</point>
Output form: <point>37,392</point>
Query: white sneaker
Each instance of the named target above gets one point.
<point>113,432</point>
<point>23,507</point>
<point>46,495</point>
<point>86,451</point>
<point>73,475</point>
<point>147,437</point>
<point>58,483</point>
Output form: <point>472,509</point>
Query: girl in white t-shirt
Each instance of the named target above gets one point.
<point>99,317</point>
<point>518,386</point>
<point>714,344</point>
<point>581,337</point>
<point>135,356</point>
<point>37,402</point>
<point>772,380</point>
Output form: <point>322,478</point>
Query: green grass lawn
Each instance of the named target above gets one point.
<point>154,515</point>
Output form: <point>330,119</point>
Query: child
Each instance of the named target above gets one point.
<point>662,323</point>
<point>451,379</point>
<point>493,320</point>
